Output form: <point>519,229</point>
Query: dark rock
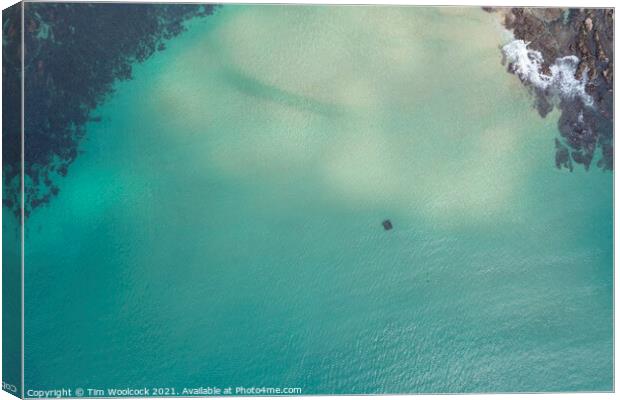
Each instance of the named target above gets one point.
<point>588,35</point>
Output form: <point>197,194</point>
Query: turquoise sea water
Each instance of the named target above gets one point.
<point>223,224</point>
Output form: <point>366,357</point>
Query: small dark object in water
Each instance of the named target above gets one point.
<point>387,224</point>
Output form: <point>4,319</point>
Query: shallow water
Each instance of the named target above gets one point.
<point>223,224</point>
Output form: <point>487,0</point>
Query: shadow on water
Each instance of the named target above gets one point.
<point>253,87</point>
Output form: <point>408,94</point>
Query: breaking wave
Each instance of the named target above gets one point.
<point>558,83</point>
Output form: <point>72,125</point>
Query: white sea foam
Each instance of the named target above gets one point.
<point>560,84</point>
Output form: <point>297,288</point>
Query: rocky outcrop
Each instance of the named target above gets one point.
<point>555,36</point>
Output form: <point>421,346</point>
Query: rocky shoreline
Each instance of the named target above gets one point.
<point>563,34</point>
